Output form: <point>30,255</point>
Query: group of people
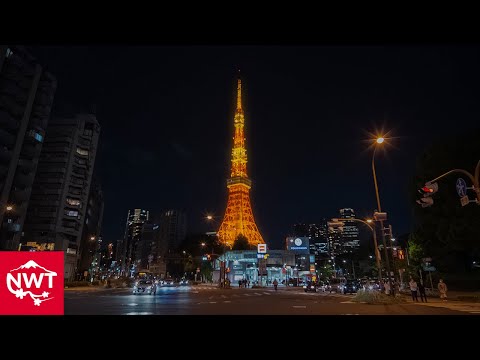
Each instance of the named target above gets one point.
<point>420,288</point>
<point>243,283</point>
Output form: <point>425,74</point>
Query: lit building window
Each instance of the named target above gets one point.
<point>36,135</point>
<point>82,151</point>
<point>73,213</point>
<point>73,202</point>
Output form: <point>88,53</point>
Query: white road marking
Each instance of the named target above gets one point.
<point>227,301</point>
<point>139,313</point>
<point>258,294</point>
<point>223,296</point>
<point>213,302</point>
<point>266,293</point>
<point>132,304</point>
<point>299,306</point>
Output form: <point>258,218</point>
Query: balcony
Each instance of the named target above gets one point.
<point>7,121</point>
<point>20,196</point>
<point>6,138</point>
<point>23,180</point>
<point>25,165</point>
<point>5,155</point>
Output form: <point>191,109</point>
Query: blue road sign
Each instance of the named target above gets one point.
<point>461,187</point>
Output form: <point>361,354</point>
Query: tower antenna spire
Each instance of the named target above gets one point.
<point>239,93</point>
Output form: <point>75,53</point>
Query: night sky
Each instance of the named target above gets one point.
<point>167,124</point>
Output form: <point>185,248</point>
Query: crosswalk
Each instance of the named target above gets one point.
<point>213,299</point>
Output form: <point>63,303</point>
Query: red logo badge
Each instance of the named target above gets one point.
<point>31,283</point>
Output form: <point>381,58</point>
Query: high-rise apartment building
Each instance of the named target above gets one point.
<point>92,227</point>
<point>59,199</point>
<point>136,218</point>
<point>350,234</point>
<point>26,97</point>
<point>173,228</point>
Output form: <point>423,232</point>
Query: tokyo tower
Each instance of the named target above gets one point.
<point>238,219</point>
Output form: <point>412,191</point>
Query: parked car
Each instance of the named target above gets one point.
<point>144,287</point>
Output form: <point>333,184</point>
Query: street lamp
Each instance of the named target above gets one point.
<point>380,140</point>
<point>9,207</point>
<point>371,226</point>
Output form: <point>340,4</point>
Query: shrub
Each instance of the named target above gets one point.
<point>377,297</point>
<point>68,284</point>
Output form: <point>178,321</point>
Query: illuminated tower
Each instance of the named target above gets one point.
<point>238,219</point>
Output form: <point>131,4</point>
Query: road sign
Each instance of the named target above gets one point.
<point>464,200</point>
<point>461,188</point>
<point>262,248</point>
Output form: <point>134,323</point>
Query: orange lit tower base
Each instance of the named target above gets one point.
<point>238,219</point>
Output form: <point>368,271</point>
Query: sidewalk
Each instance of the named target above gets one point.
<point>470,296</point>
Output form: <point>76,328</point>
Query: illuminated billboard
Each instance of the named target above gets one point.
<point>299,245</point>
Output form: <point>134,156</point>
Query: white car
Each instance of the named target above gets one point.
<point>144,287</point>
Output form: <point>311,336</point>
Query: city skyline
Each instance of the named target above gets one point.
<point>310,112</point>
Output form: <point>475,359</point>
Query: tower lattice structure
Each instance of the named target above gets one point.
<point>238,219</point>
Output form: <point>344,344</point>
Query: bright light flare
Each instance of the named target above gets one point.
<point>380,140</point>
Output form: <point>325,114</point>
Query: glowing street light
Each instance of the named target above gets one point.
<point>9,207</point>
<point>380,140</point>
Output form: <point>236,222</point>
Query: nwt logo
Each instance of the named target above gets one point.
<point>31,283</point>
<point>27,280</point>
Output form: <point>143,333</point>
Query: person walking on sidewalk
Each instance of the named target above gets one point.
<point>413,289</point>
<point>275,284</point>
<point>442,288</point>
<point>421,290</point>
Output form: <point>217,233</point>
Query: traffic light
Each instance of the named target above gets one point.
<point>427,191</point>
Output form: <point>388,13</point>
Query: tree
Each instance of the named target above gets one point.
<point>446,231</point>
<point>241,243</point>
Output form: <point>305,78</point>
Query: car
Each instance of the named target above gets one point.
<point>334,285</point>
<point>168,282</point>
<point>351,287</point>
<point>310,286</point>
<point>144,287</point>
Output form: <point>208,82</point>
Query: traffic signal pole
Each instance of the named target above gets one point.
<point>474,178</point>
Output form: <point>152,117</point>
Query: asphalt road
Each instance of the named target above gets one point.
<point>207,300</point>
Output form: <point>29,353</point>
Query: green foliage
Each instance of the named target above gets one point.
<point>241,243</point>
<point>377,298</point>
<point>326,272</point>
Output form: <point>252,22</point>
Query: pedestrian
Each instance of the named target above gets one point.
<point>275,284</point>
<point>386,285</point>
<point>421,290</point>
<point>442,288</point>
<point>413,289</point>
